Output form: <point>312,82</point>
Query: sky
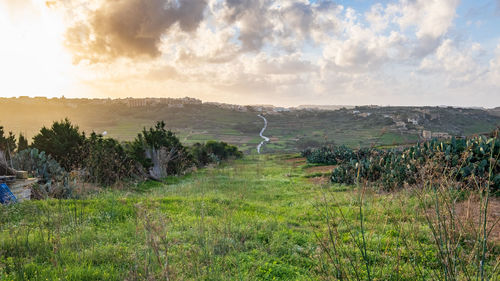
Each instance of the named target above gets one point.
<point>281,52</point>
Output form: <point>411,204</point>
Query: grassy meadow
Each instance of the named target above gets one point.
<point>267,217</point>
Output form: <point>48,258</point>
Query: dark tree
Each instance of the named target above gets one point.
<point>22,143</point>
<point>7,143</point>
<point>63,141</point>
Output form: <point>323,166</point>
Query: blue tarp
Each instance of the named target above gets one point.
<point>6,195</point>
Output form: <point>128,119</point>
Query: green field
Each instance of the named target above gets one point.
<point>259,218</point>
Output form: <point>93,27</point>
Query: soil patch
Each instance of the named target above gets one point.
<point>320,169</point>
<point>319,180</point>
<point>468,212</point>
<point>296,161</point>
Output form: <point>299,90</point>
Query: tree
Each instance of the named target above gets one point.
<point>63,142</point>
<point>7,143</point>
<point>160,152</point>
<point>22,143</point>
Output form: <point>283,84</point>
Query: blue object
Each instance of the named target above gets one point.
<point>6,195</point>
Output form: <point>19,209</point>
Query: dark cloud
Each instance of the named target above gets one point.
<point>131,28</point>
<point>425,46</point>
<point>299,17</point>
<point>253,16</point>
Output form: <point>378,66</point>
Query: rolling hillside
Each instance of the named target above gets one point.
<point>289,129</point>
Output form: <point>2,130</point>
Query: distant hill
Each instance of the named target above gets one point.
<point>290,129</point>
<point>324,107</point>
<point>494,111</point>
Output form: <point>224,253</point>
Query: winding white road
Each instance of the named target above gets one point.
<point>266,139</point>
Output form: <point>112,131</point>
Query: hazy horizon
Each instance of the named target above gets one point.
<point>319,106</point>
<point>284,53</point>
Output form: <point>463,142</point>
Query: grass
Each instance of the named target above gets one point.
<point>259,218</point>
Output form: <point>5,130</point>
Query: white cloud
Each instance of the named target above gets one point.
<point>458,66</point>
<point>264,50</point>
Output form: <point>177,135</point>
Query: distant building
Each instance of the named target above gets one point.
<point>413,121</point>
<point>441,135</point>
<point>426,134</point>
<point>280,109</point>
<point>136,102</point>
<point>401,124</point>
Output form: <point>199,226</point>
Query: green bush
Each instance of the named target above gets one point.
<point>106,161</point>
<point>214,152</point>
<point>160,152</point>
<point>63,142</point>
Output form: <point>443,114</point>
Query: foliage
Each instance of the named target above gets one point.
<point>160,152</point>
<point>329,155</point>
<point>106,161</point>
<point>7,143</point>
<point>63,142</point>
<point>22,143</point>
<point>466,159</point>
<point>214,151</point>
<point>54,180</point>
<point>38,164</point>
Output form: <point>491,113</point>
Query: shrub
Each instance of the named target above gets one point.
<point>160,152</point>
<point>106,161</point>
<point>63,142</point>
<point>214,151</point>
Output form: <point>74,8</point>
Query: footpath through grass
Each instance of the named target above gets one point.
<point>259,218</point>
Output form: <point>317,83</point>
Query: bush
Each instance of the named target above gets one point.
<point>63,142</point>
<point>214,151</point>
<point>160,152</point>
<point>106,161</point>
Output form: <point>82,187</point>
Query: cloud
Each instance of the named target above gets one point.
<point>457,66</point>
<point>130,28</point>
<point>270,49</point>
<point>252,19</point>
<point>494,65</point>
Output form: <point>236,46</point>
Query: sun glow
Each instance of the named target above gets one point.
<point>33,59</point>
